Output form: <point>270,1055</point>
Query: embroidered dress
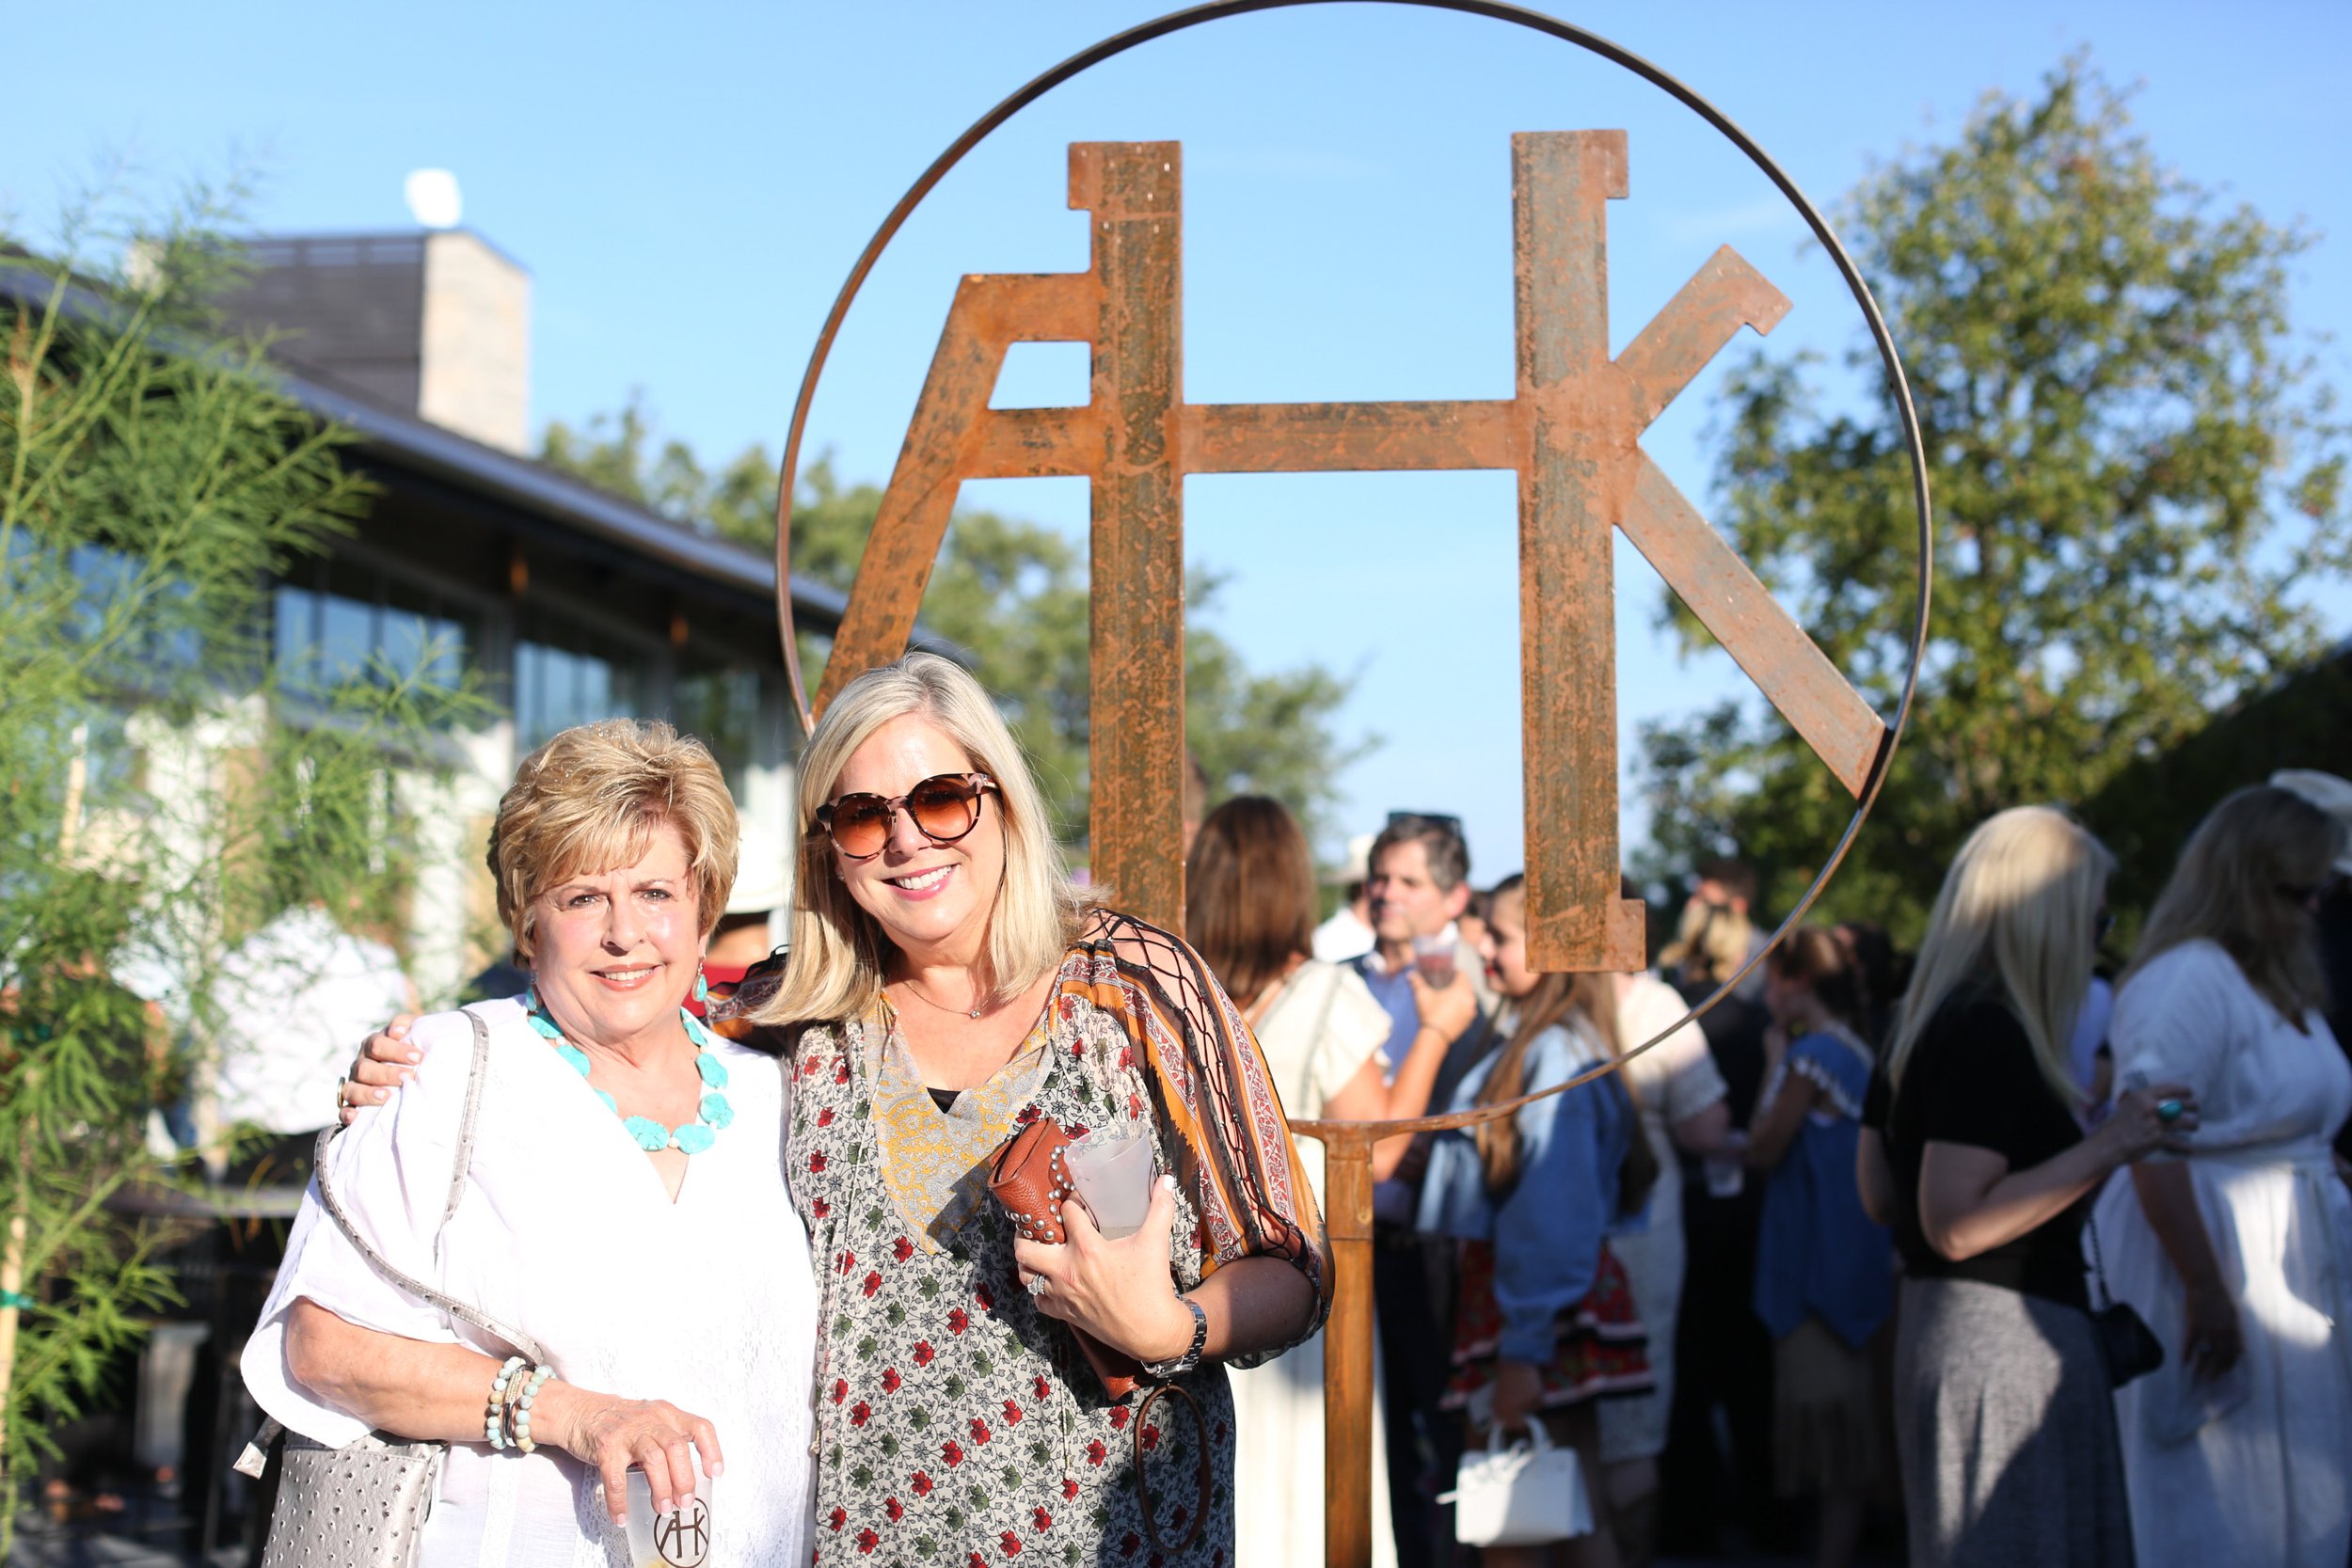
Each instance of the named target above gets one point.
<point>956,1423</point>
<point>1538,1281</point>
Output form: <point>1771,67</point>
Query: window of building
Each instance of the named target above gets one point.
<point>565,674</point>
<point>723,707</point>
<point>361,624</point>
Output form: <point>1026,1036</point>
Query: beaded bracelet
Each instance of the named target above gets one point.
<point>518,1409</point>
<point>493,1421</point>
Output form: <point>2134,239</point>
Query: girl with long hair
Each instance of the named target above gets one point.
<point>1544,1322</point>
<point>1249,911</point>
<point>2239,1448</point>
<point>1971,1152</point>
<point>1823,1268</point>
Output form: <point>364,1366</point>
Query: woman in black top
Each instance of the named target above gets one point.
<point>2004,1424</point>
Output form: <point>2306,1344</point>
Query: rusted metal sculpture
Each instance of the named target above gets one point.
<point>1571,432</point>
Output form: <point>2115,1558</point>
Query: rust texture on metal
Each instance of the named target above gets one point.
<point>1572,432</point>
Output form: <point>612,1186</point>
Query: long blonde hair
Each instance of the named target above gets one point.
<point>838,952</point>
<point>2019,905</point>
<point>2228,890</point>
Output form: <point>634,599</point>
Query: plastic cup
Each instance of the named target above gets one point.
<point>680,1538</point>
<point>1114,1180</point>
<point>1434,957</point>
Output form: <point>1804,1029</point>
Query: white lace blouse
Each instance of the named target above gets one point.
<point>566,1232</point>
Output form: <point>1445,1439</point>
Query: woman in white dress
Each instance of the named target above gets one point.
<point>1680,1092</point>
<point>2239,1255</point>
<point>625,1205</point>
<point>1249,909</point>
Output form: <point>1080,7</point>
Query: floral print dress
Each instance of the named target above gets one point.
<point>956,1423</point>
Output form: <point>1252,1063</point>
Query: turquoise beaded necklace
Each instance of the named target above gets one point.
<point>691,1137</point>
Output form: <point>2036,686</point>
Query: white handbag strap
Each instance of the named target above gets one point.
<point>462,1169</point>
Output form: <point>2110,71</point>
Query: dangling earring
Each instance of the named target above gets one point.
<point>702,987</point>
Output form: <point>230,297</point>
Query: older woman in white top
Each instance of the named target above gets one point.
<point>2239,1448</point>
<point>626,1205</point>
<point>1250,908</point>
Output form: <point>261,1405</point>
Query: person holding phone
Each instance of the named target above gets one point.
<point>2239,1252</point>
<point>1971,1153</point>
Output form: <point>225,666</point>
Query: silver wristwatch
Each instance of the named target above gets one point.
<point>1161,1371</point>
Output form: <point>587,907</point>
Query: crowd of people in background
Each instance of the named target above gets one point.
<point>2017,1249</point>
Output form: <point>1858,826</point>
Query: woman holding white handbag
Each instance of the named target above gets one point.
<point>1543,1321</point>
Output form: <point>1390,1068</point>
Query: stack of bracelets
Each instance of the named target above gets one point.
<point>507,1424</point>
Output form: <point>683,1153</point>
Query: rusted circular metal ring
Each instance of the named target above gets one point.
<point>1898,387</point>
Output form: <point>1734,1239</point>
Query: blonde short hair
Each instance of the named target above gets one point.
<point>2019,906</point>
<point>592,799</point>
<point>837,949</point>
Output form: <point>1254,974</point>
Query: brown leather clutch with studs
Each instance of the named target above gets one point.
<point>1029,1175</point>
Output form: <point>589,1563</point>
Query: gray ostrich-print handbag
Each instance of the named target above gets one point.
<point>363,1505</point>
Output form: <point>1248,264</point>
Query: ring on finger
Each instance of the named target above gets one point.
<point>1037,1285</point>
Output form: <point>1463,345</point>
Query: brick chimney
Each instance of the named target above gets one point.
<point>434,323</point>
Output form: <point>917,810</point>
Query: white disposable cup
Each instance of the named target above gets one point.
<point>680,1538</point>
<point>1114,1180</point>
<point>1435,957</point>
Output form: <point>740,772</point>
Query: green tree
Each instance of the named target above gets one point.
<point>1015,594</point>
<point>163,797</point>
<point>2135,474</point>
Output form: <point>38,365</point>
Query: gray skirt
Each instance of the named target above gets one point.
<point>2004,1431</point>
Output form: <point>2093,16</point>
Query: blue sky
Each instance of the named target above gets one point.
<point>688,196</point>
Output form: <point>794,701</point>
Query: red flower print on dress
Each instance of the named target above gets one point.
<point>1119,1418</point>
<point>1096,1452</point>
<point>1077,1131</point>
<point>896,1509</point>
<point>1126,1058</point>
<point>952,1451</point>
<point>817,1163</point>
<point>1010,1542</point>
<point>1012,1413</point>
<point>983,1300</point>
<point>1068,1488</point>
<point>841,1070</point>
<point>924,1354</point>
<point>890,1380</point>
<point>1040,1519</point>
<point>819,1208</point>
<point>1130,1544</point>
<point>956,1321</point>
<point>873,1283</point>
<point>1028,1114</point>
<point>861,1413</point>
<point>839,1518</point>
<point>868,1541</point>
<point>1135,1107</point>
<point>824,1118</point>
<point>847,1261</point>
<point>973,1560</point>
<point>921,1483</point>
<point>902,1249</point>
<point>840,1390</point>
<point>1151,1439</point>
<point>1042,1390</point>
<point>980,1431</point>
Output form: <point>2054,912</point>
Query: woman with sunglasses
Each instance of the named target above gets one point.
<point>947,987</point>
<point>2239,1448</point>
<point>950,986</point>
